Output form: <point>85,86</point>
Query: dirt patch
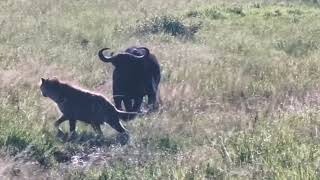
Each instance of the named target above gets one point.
<point>19,170</point>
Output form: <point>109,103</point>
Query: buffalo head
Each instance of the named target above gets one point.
<point>123,57</point>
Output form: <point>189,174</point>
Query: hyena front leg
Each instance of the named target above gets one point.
<point>72,124</point>
<point>60,133</point>
<point>58,122</point>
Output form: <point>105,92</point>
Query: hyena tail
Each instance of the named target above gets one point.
<point>126,116</point>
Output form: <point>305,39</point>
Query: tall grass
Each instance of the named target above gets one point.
<point>239,88</point>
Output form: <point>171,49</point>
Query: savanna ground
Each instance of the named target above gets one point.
<point>240,88</point>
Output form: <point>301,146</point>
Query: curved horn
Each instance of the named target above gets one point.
<point>103,57</point>
<point>135,56</point>
<point>146,50</point>
<point>146,54</point>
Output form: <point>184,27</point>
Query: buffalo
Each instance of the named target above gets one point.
<point>136,74</point>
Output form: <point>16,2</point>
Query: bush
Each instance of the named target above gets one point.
<point>169,25</point>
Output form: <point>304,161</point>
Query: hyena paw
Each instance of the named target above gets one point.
<point>72,136</point>
<point>60,135</point>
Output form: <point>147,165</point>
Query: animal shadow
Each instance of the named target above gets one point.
<point>93,140</point>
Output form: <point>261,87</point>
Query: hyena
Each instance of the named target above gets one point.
<point>77,104</point>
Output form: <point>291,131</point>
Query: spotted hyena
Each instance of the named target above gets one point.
<point>77,104</point>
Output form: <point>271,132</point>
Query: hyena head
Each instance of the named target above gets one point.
<point>50,88</point>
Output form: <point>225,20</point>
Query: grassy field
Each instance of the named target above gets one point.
<point>240,88</point>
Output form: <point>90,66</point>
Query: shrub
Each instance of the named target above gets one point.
<point>169,25</point>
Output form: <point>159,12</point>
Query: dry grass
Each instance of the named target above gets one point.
<point>240,88</point>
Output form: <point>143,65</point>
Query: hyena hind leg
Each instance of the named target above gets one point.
<point>123,136</point>
<point>116,124</point>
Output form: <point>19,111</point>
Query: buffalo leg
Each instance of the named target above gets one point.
<point>128,104</point>
<point>137,104</point>
<point>152,89</point>
<point>152,101</point>
<point>117,102</point>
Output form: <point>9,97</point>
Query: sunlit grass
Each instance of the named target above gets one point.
<point>239,89</point>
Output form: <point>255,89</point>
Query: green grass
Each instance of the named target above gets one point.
<point>279,149</point>
<point>239,89</point>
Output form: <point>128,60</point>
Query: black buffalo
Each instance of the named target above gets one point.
<point>136,74</point>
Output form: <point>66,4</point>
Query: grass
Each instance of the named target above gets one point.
<point>239,89</point>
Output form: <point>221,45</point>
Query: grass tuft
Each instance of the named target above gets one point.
<point>240,89</point>
<point>170,25</point>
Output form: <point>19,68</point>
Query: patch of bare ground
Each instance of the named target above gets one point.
<point>24,170</point>
<point>135,156</point>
